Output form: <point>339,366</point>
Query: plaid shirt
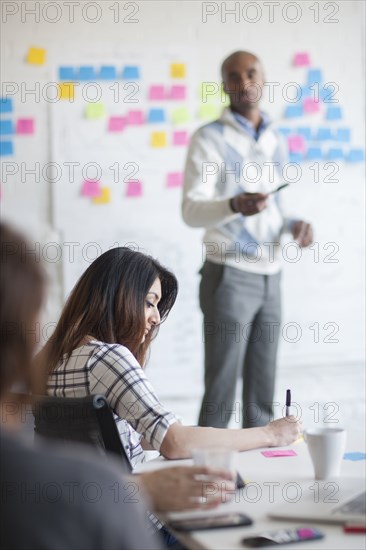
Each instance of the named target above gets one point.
<point>112,370</point>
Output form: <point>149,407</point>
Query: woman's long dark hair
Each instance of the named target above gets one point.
<point>108,303</point>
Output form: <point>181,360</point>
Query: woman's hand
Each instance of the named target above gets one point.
<point>283,431</point>
<point>187,487</point>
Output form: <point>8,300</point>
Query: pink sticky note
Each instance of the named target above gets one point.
<point>177,92</point>
<point>301,59</point>
<point>180,138</point>
<point>25,126</point>
<point>311,105</point>
<point>135,117</point>
<point>91,188</point>
<point>134,189</point>
<point>174,179</point>
<point>116,123</point>
<point>296,144</point>
<point>275,454</point>
<point>157,92</point>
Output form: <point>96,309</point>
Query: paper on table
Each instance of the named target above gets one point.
<point>158,139</point>
<point>134,189</point>
<point>278,453</point>
<point>25,126</point>
<point>104,197</point>
<point>36,56</point>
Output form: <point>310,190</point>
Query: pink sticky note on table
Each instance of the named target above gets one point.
<point>134,189</point>
<point>177,92</point>
<point>25,126</point>
<point>311,105</point>
<point>116,123</point>
<point>296,144</point>
<point>91,188</point>
<point>157,92</point>
<point>174,179</point>
<point>180,138</point>
<point>135,117</point>
<point>279,452</point>
<point>302,59</point>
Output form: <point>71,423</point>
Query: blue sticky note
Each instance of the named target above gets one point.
<point>6,148</point>
<point>333,113</point>
<point>304,132</point>
<point>296,157</point>
<point>107,73</point>
<point>357,455</point>
<point>86,73</point>
<point>335,153</point>
<point>6,105</point>
<point>343,134</point>
<point>323,134</point>
<point>355,155</point>
<point>130,72</point>
<point>314,153</point>
<point>314,76</point>
<point>66,73</point>
<point>285,131</point>
<point>156,115</point>
<point>306,92</point>
<point>293,111</point>
<point>6,127</point>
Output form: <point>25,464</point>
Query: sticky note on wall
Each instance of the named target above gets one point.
<point>25,126</point>
<point>6,148</point>
<point>117,124</point>
<point>294,111</point>
<point>311,105</point>
<point>178,70</point>
<point>107,72</point>
<point>180,138</point>
<point>134,189</point>
<point>156,115</point>
<point>104,197</point>
<point>91,188</point>
<point>135,118</point>
<point>6,105</point>
<point>36,56</point>
<point>95,110</point>
<point>66,73</point>
<point>157,92</point>
<point>87,73</point>
<point>314,76</point>
<point>333,113</point>
<point>174,179</point>
<point>296,144</point>
<point>177,93</point>
<point>180,115</point>
<point>208,111</point>
<point>67,91</point>
<point>302,59</point>
<point>131,72</point>
<point>343,134</point>
<point>158,139</point>
<point>6,127</point>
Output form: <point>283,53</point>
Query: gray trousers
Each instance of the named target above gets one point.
<point>242,315</point>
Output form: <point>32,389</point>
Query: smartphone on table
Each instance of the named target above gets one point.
<point>282,536</point>
<point>231,519</point>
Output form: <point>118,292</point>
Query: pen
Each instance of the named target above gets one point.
<point>354,528</point>
<point>278,188</point>
<point>288,402</point>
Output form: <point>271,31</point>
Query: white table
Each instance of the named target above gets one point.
<point>270,482</point>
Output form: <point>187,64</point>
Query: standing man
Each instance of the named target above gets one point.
<point>232,165</point>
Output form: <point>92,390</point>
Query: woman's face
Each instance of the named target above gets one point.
<point>152,316</point>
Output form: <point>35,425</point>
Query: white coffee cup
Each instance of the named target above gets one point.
<point>326,448</point>
<point>215,457</point>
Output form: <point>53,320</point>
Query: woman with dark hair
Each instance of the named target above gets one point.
<point>100,346</point>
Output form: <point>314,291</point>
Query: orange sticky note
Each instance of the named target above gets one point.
<point>104,197</point>
<point>158,139</point>
<point>67,90</point>
<point>178,70</point>
<point>36,56</point>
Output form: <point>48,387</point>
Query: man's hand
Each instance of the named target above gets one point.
<point>248,204</point>
<point>187,487</point>
<point>302,232</point>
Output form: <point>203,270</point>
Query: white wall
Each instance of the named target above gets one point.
<point>315,292</point>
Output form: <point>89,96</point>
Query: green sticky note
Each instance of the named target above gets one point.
<point>95,110</point>
<point>213,92</point>
<point>180,115</point>
<point>209,111</point>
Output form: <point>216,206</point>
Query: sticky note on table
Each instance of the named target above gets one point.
<point>354,456</point>
<point>174,179</point>
<point>107,72</point>
<point>293,111</point>
<point>67,73</point>
<point>158,139</point>
<point>156,115</point>
<point>323,134</point>
<point>314,153</point>
<point>25,126</point>
<point>311,105</point>
<point>131,72</point>
<point>178,70</point>
<point>314,76</point>
<point>67,90</point>
<point>177,92</point>
<point>36,56</point>
<point>134,189</point>
<point>157,92</point>
<point>335,153</point>
<point>104,197</point>
<point>91,188</point>
<point>296,144</point>
<point>180,138</point>
<point>135,118</point>
<point>355,155</point>
<point>343,134</point>
<point>302,59</point>
<point>333,113</point>
<point>117,123</point>
<point>208,111</point>
<point>6,105</point>
<point>278,453</point>
<point>6,127</point>
<point>180,115</point>
<point>95,110</point>
<point>6,148</point>
<point>86,73</point>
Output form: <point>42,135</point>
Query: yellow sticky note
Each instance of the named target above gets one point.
<point>180,115</point>
<point>178,70</point>
<point>67,90</point>
<point>158,139</point>
<point>208,111</point>
<point>95,110</point>
<point>36,56</point>
<point>104,197</point>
